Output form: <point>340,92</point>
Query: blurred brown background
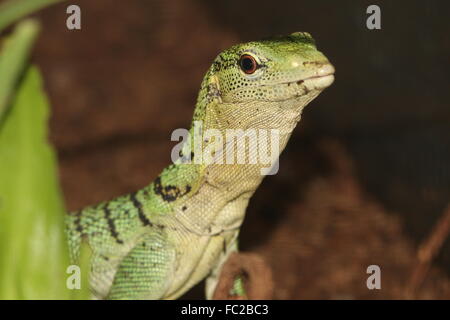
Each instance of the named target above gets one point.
<point>362,181</point>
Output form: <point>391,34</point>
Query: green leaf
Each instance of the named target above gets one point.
<point>12,10</point>
<point>33,247</point>
<point>13,58</point>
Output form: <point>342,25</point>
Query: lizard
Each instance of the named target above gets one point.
<point>160,241</point>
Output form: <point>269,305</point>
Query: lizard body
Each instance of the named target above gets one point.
<point>160,241</point>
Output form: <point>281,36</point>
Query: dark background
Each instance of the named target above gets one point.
<point>365,175</point>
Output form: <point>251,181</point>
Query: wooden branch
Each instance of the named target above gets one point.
<point>427,251</point>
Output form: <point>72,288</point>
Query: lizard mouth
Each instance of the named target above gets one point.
<point>323,77</point>
<point>318,82</point>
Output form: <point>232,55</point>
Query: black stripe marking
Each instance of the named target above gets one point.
<point>78,225</point>
<point>141,214</point>
<point>224,246</point>
<point>169,193</point>
<point>112,226</point>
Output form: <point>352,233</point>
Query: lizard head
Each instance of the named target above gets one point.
<point>259,86</point>
<point>276,69</point>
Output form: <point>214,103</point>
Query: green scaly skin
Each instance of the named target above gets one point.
<point>160,241</point>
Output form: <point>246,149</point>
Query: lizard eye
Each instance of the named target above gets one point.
<point>248,63</point>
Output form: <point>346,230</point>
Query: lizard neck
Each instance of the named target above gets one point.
<point>224,189</point>
<point>207,195</point>
<point>242,142</point>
